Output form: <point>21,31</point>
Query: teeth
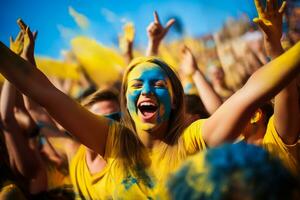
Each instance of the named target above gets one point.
<point>147,104</point>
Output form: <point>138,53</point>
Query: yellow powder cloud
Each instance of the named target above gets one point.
<point>81,20</point>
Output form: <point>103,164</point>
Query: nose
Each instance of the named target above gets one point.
<point>146,90</point>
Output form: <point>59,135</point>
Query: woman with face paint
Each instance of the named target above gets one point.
<point>153,138</point>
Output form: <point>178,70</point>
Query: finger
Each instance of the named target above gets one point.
<point>183,48</point>
<point>19,36</point>
<point>21,24</point>
<point>150,27</point>
<point>262,25</point>
<point>282,7</point>
<point>11,39</point>
<point>259,7</point>
<point>275,4</point>
<point>170,23</point>
<point>35,33</point>
<point>29,33</point>
<point>156,18</point>
<point>270,6</point>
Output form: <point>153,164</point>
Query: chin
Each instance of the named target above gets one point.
<point>147,127</point>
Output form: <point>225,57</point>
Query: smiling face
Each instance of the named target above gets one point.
<point>149,96</point>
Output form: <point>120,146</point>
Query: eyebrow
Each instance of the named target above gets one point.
<point>154,80</point>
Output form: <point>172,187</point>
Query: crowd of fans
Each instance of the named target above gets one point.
<point>213,117</point>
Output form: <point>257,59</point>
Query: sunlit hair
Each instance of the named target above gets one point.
<point>176,123</point>
<point>233,171</point>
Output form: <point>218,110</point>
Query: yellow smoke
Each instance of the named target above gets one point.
<point>81,20</point>
<point>57,68</point>
<point>103,64</point>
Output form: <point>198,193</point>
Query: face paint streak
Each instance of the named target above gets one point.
<point>146,76</point>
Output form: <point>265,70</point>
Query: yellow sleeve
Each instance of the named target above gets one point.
<point>192,136</point>
<point>288,154</point>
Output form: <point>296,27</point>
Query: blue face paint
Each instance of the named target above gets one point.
<point>149,80</point>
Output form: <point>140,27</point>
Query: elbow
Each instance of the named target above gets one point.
<point>292,137</point>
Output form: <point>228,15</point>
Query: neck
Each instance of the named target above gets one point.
<point>257,135</point>
<point>94,161</point>
<point>152,138</point>
<point>91,155</point>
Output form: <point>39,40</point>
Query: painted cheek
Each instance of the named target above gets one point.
<point>164,98</point>
<point>132,97</point>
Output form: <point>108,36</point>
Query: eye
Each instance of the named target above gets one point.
<point>160,84</point>
<point>137,85</point>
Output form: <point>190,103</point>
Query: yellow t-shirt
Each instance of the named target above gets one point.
<point>85,184</point>
<point>289,154</point>
<point>114,183</point>
<point>58,177</point>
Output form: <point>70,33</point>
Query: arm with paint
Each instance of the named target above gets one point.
<point>286,107</point>
<point>207,94</point>
<point>232,116</point>
<point>72,116</point>
<point>156,32</point>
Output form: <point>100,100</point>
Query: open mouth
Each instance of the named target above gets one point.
<point>147,109</point>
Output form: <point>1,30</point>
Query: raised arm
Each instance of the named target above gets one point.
<point>207,94</point>
<point>90,129</point>
<point>126,41</point>
<point>286,106</point>
<point>35,110</point>
<point>22,157</point>
<point>231,117</point>
<point>156,32</point>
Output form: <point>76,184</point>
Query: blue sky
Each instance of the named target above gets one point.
<point>56,26</point>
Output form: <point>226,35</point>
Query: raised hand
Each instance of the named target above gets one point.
<point>188,62</point>
<point>156,32</point>
<point>207,94</point>
<point>270,22</point>
<point>29,41</point>
<point>126,41</point>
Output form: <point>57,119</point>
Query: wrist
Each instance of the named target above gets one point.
<point>153,48</point>
<point>273,48</point>
<point>196,73</point>
<point>276,51</point>
<point>29,58</point>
